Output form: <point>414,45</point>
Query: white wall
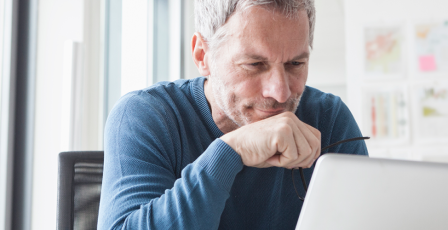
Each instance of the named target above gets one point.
<point>327,62</point>
<point>405,13</point>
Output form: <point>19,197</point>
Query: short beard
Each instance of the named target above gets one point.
<point>223,99</point>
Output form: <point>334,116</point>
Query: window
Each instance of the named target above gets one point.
<point>146,43</point>
<point>68,114</point>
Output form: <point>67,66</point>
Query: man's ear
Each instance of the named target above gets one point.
<point>200,50</point>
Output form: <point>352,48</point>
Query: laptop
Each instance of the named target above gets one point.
<point>352,192</point>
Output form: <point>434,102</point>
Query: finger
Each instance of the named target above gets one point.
<point>287,147</point>
<point>317,134</point>
<point>263,165</point>
<point>291,159</point>
<point>274,160</point>
<point>315,131</point>
<point>313,137</point>
<point>304,149</point>
<point>306,163</point>
<point>309,144</point>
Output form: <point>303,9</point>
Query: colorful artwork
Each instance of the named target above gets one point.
<point>431,46</point>
<point>432,112</point>
<point>385,114</point>
<point>383,50</point>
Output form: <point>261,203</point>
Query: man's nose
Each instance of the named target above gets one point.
<point>276,85</point>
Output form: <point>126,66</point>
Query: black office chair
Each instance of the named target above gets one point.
<point>79,189</point>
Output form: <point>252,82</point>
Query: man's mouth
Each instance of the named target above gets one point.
<point>270,112</point>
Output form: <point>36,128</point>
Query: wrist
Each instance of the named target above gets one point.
<point>221,162</point>
<point>229,139</point>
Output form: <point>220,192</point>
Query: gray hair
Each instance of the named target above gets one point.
<point>211,15</point>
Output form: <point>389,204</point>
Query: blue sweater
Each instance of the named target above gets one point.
<point>166,168</point>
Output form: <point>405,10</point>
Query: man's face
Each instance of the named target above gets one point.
<point>261,70</point>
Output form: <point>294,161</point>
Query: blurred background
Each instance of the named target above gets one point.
<point>64,64</point>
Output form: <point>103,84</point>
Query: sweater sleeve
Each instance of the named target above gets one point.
<point>140,189</point>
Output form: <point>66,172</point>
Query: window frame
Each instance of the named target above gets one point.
<point>17,113</point>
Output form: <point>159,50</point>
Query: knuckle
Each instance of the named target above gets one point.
<point>287,114</point>
<point>287,119</point>
<point>315,143</point>
<point>309,150</point>
<point>284,120</point>
<point>292,115</point>
<point>284,128</point>
<point>295,157</point>
<point>318,134</point>
<point>315,131</point>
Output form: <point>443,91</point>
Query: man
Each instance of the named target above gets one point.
<point>216,152</point>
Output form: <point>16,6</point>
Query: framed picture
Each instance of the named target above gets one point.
<point>384,51</point>
<point>431,49</point>
<point>386,115</point>
<point>431,112</point>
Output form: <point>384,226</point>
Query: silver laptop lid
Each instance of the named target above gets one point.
<point>356,192</point>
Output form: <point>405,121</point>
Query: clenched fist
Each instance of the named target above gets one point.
<point>282,141</point>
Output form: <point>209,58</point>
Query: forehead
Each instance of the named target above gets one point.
<point>268,33</point>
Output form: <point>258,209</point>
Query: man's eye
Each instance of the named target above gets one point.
<point>255,64</point>
<point>296,63</point>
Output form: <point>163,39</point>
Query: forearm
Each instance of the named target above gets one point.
<point>196,201</point>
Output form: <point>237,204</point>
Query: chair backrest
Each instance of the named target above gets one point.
<point>79,189</point>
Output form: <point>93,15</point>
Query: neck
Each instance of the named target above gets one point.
<point>219,117</point>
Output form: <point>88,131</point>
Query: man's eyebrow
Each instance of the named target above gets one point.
<point>255,57</point>
<point>301,56</point>
<point>262,58</point>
